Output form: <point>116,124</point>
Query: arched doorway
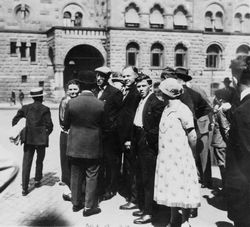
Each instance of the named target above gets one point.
<point>81,57</point>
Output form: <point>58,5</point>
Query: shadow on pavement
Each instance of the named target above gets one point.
<point>217,202</point>
<point>223,224</point>
<point>49,179</point>
<point>50,219</point>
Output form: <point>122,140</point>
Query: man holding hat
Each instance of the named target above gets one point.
<point>112,99</point>
<point>84,116</point>
<point>35,136</point>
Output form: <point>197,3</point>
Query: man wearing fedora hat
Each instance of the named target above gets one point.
<point>35,136</point>
<point>112,99</point>
<point>84,117</point>
<point>225,94</point>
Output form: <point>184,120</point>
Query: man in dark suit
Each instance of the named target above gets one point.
<point>145,146</point>
<point>35,136</point>
<point>126,115</point>
<point>83,118</point>
<point>238,158</point>
<point>112,99</point>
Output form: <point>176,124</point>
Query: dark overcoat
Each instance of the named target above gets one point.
<point>238,164</point>
<point>38,124</point>
<point>84,116</point>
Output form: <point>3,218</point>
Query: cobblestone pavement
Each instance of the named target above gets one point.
<point>44,206</point>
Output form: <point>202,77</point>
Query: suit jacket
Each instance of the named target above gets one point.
<point>38,124</point>
<point>151,116</point>
<point>112,98</point>
<point>238,163</point>
<point>84,117</point>
<point>127,113</point>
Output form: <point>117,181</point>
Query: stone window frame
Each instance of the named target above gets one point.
<point>13,48</point>
<point>214,57</point>
<point>238,22</point>
<point>180,14</point>
<point>72,15</point>
<point>33,47</point>
<point>136,16</point>
<point>132,48</point>
<point>181,50</point>
<point>243,11</point>
<point>22,12</point>
<point>241,53</point>
<point>217,17</point>
<point>157,49</point>
<point>156,22</point>
<point>24,78</point>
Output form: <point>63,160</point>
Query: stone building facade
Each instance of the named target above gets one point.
<point>46,42</point>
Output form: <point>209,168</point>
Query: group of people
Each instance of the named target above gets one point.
<point>149,142</point>
<point>13,97</point>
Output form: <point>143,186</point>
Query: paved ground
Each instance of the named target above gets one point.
<point>44,206</point>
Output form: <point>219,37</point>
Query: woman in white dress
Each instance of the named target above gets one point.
<point>176,180</point>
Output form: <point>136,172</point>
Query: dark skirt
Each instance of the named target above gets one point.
<point>65,164</point>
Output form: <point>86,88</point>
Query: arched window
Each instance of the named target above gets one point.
<point>131,16</point>
<point>237,22</point>
<point>242,51</point>
<point>156,18</point>
<point>132,52</point>
<point>209,21</point>
<point>214,56</point>
<point>72,15</point>
<point>78,19</point>
<point>67,19</point>
<point>181,55</point>
<point>22,12</point>
<point>180,19</point>
<point>157,55</point>
<point>246,23</point>
<point>218,22</point>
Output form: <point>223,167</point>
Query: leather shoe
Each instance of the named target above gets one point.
<point>66,197</point>
<point>143,219</point>
<point>193,213</point>
<point>76,208</point>
<point>37,184</point>
<point>25,192</point>
<point>91,211</point>
<point>108,195</point>
<point>137,213</point>
<point>128,206</point>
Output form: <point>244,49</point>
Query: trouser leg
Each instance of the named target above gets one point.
<point>77,182</point>
<point>40,150</point>
<point>26,166</point>
<point>91,196</point>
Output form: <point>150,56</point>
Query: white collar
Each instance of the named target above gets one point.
<point>244,93</point>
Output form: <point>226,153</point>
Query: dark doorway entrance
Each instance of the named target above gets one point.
<point>81,57</point>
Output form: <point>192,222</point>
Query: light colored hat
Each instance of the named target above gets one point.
<point>37,92</point>
<point>104,69</point>
<point>171,87</point>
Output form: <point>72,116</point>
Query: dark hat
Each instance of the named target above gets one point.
<point>168,72</point>
<point>182,73</point>
<point>86,77</point>
<point>227,80</point>
<point>36,92</point>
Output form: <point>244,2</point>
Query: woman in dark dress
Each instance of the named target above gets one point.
<point>72,91</point>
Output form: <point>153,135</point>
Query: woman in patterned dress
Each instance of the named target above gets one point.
<point>176,180</point>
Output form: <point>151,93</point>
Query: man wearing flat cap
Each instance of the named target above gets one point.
<point>112,99</point>
<point>84,116</point>
<point>35,136</point>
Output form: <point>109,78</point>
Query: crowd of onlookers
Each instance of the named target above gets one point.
<point>150,142</point>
